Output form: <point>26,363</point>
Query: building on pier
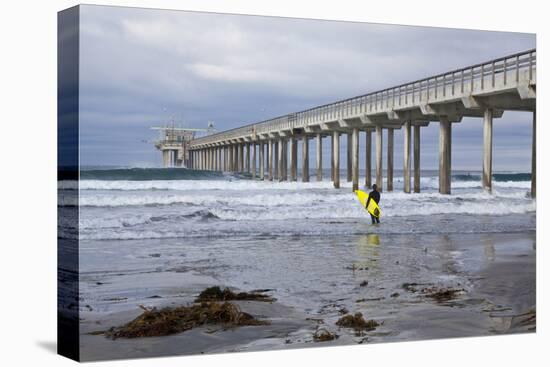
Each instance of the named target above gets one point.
<point>174,143</point>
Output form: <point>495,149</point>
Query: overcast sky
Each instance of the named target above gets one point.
<point>142,67</point>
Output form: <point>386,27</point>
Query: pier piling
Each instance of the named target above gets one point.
<point>355,159</point>
<point>305,159</point>
<point>487,176</point>
<point>534,157</point>
<point>319,157</point>
<point>348,157</point>
<point>407,157</point>
<point>368,158</point>
<point>276,159</point>
<point>253,160</point>
<point>270,160</point>
<point>261,160</point>
<point>445,139</point>
<point>293,159</point>
<point>379,157</point>
<point>417,158</point>
<point>389,170</point>
<point>336,158</point>
<point>247,158</point>
<point>280,160</point>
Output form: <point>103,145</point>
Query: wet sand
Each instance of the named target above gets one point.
<point>315,281</point>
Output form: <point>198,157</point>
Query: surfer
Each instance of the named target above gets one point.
<point>373,195</point>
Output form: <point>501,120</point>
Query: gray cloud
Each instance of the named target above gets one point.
<point>141,66</point>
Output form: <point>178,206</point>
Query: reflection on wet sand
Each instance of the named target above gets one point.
<point>448,255</point>
<point>489,249</point>
<point>368,252</point>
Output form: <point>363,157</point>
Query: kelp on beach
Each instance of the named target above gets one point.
<point>217,294</point>
<point>211,307</point>
<point>357,322</point>
<point>168,321</point>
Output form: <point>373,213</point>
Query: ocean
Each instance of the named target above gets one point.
<point>158,236</point>
<point>178,203</point>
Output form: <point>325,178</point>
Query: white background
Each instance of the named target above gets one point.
<point>28,181</point>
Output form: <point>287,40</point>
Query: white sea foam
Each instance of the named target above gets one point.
<point>278,198</point>
<point>237,206</point>
<point>247,185</point>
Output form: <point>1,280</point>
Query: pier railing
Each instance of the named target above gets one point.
<point>505,71</point>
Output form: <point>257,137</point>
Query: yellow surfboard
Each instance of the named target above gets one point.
<point>373,208</point>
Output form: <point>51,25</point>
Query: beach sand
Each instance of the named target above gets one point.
<point>389,278</point>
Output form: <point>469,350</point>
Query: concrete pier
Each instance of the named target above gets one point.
<point>379,157</point>
<point>348,157</point>
<point>355,159</point>
<point>407,157</point>
<point>336,158</point>
<point>389,169</point>
<point>483,91</point>
<point>305,159</point>
<point>368,158</point>
<point>534,157</point>
<point>319,151</point>
<point>261,160</point>
<point>487,175</point>
<point>445,140</point>
<point>416,158</point>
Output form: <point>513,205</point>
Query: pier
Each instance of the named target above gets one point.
<point>174,143</point>
<point>483,91</point>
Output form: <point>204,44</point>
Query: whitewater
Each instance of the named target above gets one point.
<point>130,204</point>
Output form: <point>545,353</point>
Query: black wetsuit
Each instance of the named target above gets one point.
<point>374,195</point>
